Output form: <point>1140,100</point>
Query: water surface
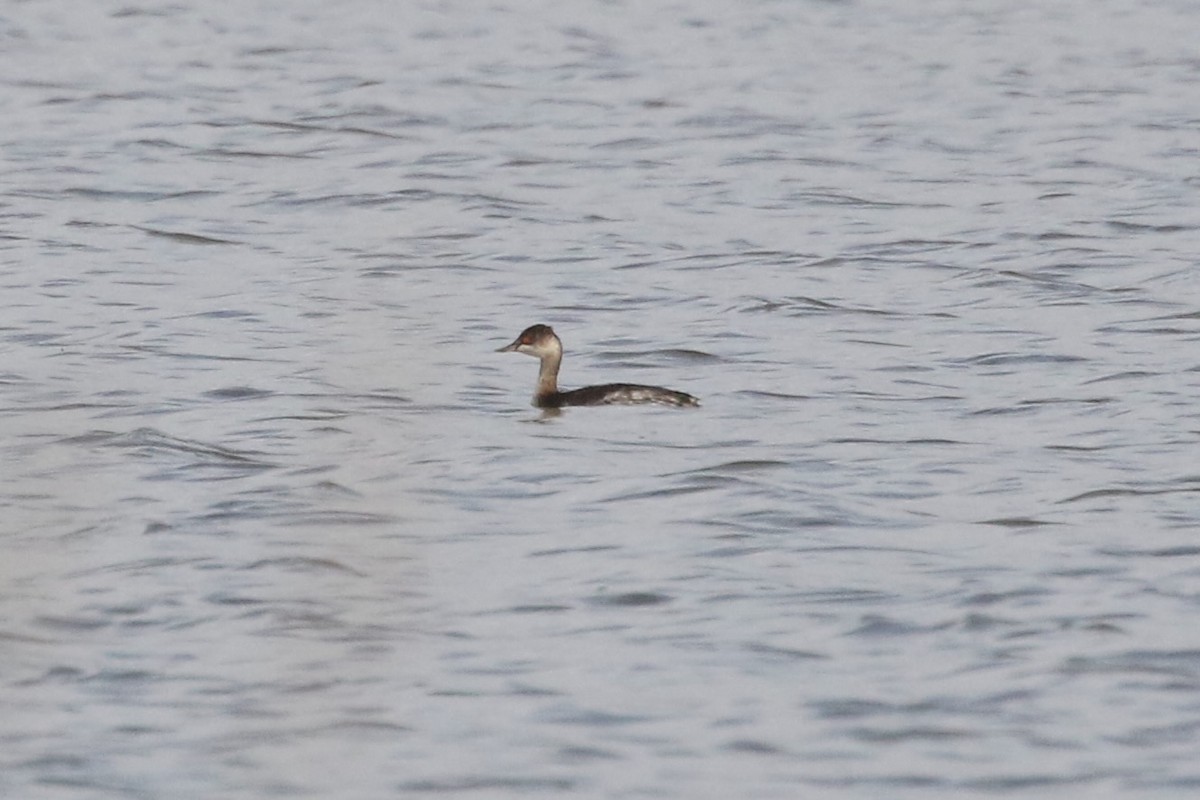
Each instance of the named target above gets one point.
<point>277,521</point>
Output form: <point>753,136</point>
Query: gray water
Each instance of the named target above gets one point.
<point>276,520</point>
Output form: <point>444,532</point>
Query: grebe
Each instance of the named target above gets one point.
<point>541,341</point>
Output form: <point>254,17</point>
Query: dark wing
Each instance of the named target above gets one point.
<point>624,394</point>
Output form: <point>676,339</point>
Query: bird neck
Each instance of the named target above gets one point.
<point>548,374</point>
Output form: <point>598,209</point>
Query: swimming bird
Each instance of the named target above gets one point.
<point>541,341</point>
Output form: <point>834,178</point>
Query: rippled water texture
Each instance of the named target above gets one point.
<point>276,520</point>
